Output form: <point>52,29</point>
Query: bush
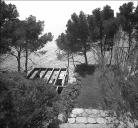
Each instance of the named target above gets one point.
<point>84,69</point>
<point>68,98</point>
<point>25,103</point>
<point>120,95</point>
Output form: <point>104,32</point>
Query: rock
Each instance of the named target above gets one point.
<point>72,115</point>
<point>67,125</point>
<point>81,120</point>
<point>77,111</point>
<point>93,116</point>
<point>89,111</point>
<point>94,111</point>
<point>71,120</point>
<point>101,120</point>
<point>103,113</point>
<point>97,126</point>
<point>72,80</point>
<point>84,114</point>
<point>91,120</point>
<point>62,117</point>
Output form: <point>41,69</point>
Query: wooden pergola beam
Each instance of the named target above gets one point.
<point>30,74</point>
<point>64,79</point>
<point>45,73</point>
<point>50,75</point>
<point>57,76</point>
<point>37,74</point>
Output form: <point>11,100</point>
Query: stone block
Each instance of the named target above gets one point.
<point>98,126</point>
<point>95,126</point>
<point>91,120</point>
<point>103,113</point>
<point>101,120</point>
<point>89,111</point>
<point>71,120</point>
<point>77,111</point>
<point>67,125</point>
<point>72,80</point>
<point>81,120</point>
<point>95,111</point>
<point>72,115</point>
<point>93,115</point>
<point>84,114</point>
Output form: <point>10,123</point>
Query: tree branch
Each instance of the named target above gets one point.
<point>11,53</point>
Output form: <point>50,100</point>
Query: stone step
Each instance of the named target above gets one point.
<point>86,120</point>
<point>93,118</point>
<point>68,125</point>
<point>80,112</point>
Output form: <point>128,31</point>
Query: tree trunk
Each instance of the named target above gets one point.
<point>18,61</point>
<point>73,61</point>
<point>111,56</point>
<point>85,56</point>
<point>129,41</point>
<point>68,59</point>
<point>68,64</point>
<point>101,48</point>
<point>26,59</point>
<point>19,66</point>
<point>101,37</point>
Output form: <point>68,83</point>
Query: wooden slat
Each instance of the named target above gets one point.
<point>37,68</point>
<point>42,69</point>
<point>64,78</point>
<point>50,76</point>
<point>63,69</point>
<point>57,76</point>
<point>37,74</point>
<point>45,73</point>
<point>30,74</point>
<point>56,69</point>
<point>50,69</point>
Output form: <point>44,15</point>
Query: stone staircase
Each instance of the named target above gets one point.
<point>90,118</point>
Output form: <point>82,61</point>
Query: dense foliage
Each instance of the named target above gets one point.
<point>128,19</point>
<point>8,13</point>
<point>76,36</point>
<point>25,103</point>
<point>119,95</point>
<point>99,29</point>
<point>68,97</point>
<point>19,38</point>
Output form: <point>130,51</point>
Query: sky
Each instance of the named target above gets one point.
<point>55,14</point>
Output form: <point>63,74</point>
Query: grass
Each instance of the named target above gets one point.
<point>94,87</point>
<point>90,95</point>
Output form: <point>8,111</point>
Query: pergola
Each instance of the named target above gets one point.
<point>58,77</point>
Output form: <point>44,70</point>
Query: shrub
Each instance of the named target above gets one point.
<point>25,103</point>
<point>120,95</point>
<point>84,69</point>
<point>68,98</point>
